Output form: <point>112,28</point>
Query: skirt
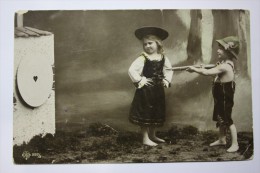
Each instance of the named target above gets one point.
<point>148,106</point>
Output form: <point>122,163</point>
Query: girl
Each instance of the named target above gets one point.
<point>148,73</point>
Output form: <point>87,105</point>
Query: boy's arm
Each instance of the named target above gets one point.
<point>209,72</point>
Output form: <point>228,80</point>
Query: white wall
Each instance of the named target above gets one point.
<point>28,121</point>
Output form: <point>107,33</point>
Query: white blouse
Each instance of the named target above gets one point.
<point>136,68</point>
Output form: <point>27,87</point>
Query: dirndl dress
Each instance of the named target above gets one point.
<point>148,105</point>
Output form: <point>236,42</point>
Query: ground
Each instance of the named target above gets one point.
<point>101,143</point>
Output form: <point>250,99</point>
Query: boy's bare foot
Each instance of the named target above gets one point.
<point>233,148</point>
<point>217,143</point>
<point>156,139</point>
<point>149,142</point>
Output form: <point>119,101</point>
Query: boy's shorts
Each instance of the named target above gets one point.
<point>223,94</point>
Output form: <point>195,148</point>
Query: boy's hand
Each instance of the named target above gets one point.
<point>191,69</point>
<point>202,65</point>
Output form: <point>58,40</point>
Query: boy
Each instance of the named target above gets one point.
<point>223,89</point>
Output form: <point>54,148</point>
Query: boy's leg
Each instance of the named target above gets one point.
<point>222,137</point>
<point>152,135</point>
<point>146,139</point>
<point>234,146</point>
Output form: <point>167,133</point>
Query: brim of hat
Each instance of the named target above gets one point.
<point>222,43</point>
<point>159,32</point>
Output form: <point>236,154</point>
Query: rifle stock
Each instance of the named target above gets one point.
<point>208,66</point>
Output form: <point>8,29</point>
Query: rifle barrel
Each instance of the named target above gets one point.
<point>209,66</point>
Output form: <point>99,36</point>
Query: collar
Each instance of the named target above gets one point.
<point>145,55</point>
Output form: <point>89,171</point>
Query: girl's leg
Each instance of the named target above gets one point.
<point>152,135</point>
<point>234,146</point>
<point>146,139</point>
<point>222,137</point>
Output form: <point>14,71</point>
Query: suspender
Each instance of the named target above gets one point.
<point>218,76</point>
<point>231,66</point>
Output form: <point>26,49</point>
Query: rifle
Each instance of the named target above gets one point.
<point>208,66</point>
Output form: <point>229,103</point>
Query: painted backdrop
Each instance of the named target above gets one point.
<point>94,49</point>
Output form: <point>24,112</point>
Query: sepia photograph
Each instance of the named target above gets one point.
<point>129,87</point>
<point>132,86</point>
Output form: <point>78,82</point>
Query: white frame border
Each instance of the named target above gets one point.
<point>7,9</point>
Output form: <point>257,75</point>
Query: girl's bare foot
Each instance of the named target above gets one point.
<point>149,142</point>
<point>152,135</point>
<point>156,139</point>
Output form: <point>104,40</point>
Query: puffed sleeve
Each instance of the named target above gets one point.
<point>167,73</point>
<point>136,68</point>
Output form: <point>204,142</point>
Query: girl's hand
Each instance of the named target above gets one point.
<point>145,81</point>
<point>165,83</point>
<point>191,69</point>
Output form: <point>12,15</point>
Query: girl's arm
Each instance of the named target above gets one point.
<point>136,69</point>
<point>167,73</point>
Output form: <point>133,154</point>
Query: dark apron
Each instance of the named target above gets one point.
<point>148,106</point>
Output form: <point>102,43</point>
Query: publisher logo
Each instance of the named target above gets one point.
<point>26,155</point>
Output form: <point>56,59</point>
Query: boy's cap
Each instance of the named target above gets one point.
<point>149,30</point>
<point>231,44</point>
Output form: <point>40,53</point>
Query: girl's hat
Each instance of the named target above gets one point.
<point>149,30</point>
<point>231,44</point>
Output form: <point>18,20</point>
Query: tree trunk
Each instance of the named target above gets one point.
<point>194,39</point>
<point>232,23</point>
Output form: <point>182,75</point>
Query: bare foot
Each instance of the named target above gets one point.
<point>149,142</point>
<point>233,148</point>
<point>217,143</point>
<point>156,139</point>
